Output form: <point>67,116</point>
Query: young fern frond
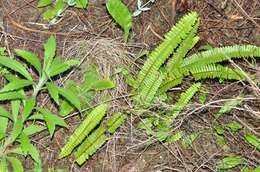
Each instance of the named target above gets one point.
<point>216,71</point>
<point>89,123</point>
<point>220,54</point>
<point>150,88</point>
<point>163,51</point>
<point>183,100</point>
<point>163,129</point>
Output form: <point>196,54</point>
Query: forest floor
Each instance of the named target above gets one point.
<point>223,22</point>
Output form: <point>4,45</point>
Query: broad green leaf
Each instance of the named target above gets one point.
<point>59,68</point>
<point>18,150</point>
<point>15,105</point>
<point>234,126</point>
<point>253,140</point>
<point>3,127</point>
<point>15,85</point>
<point>3,165</point>
<point>121,15</point>
<point>31,58</point>
<point>53,92</point>
<point>28,108</point>
<point>16,131</point>
<point>228,106</point>
<point>37,166</point>
<point>54,11</point>
<point>49,52</point>
<point>15,66</point>
<point>70,97</point>
<point>29,148</point>
<point>188,140</point>
<point>5,114</point>
<point>81,3</point>
<point>16,164</point>
<point>10,77</point>
<point>229,162</point>
<point>52,120</point>
<point>25,143</point>
<point>33,129</point>
<point>102,85</point>
<point>11,96</point>
<point>65,108</point>
<point>44,3</point>
<point>90,76</point>
<point>49,14</point>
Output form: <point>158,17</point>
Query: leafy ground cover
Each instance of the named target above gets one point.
<point>212,136</point>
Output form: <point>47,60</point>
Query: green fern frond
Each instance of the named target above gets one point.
<point>174,79</point>
<point>91,145</point>
<point>220,54</point>
<point>184,100</point>
<point>186,45</point>
<point>115,121</point>
<point>98,138</point>
<point>163,51</point>
<point>150,87</point>
<point>89,123</point>
<point>216,71</point>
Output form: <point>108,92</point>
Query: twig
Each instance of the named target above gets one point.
<point>245,13</point>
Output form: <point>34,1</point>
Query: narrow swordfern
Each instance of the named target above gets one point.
<point>172,39</point>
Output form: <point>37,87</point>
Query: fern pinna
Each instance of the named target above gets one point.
<point>90,139</point>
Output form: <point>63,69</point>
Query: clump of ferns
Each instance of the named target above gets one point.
<point>167,66</point>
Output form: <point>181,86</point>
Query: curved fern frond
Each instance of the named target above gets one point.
<point>89,123</point>
<point>186,45</point>
<point>216,71</point>
<point>184,100</point>
<point>91,145</point>
<point>149,88</point>
<point>172,39</point>
<point>220,54</point>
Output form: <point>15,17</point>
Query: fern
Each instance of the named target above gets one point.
<point>91,121</point>
<point>184,100</point>
<point>149,88</point>
<point>171,41</point>
<point>164,128</point>
<point>97,137</point>
<point>90,145</point>
<point>114,122</point>
<point>216,71</point>
<point>220,54</point>
<point>174,79</point>
<point>185,46</point>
